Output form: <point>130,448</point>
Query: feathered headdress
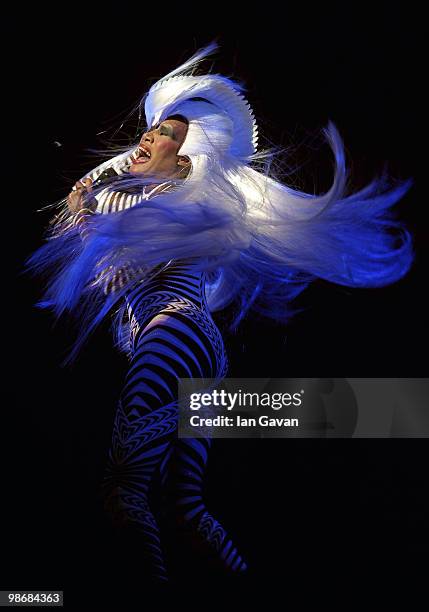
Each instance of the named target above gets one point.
<point>171,95</point>
<point>261,241</point>
<point>220,118</point>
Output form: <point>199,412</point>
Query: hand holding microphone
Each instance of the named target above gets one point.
<point>76,199</point>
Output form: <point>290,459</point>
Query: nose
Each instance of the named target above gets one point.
<point>148,137</point>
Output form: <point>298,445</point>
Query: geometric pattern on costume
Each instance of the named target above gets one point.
<point>172,335</point>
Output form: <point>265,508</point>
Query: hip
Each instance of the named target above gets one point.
<point>181,322</point>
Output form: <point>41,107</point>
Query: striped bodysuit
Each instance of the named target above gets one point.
<point>171,335</point>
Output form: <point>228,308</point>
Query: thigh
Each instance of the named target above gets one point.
<point>185,339</point>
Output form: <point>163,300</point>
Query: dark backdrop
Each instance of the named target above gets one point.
<point>304,510</point>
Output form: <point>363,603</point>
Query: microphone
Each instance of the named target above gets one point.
<point>108,173</point>
<point>105,176</point>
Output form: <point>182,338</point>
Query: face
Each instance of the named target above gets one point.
<point>157,151</point>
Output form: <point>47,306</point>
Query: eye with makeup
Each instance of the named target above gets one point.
<point>166,130</point>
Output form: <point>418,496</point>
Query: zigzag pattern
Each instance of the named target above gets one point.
<point>216,536</point>
<point>183,476</point>
<point>172,336</point>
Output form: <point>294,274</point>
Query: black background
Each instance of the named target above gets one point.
<point>308,511</point>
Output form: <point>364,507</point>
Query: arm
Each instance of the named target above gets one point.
<point>81,205</point>
<point>106,201</point>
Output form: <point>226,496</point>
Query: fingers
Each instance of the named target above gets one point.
<point>73,200</point>
<point>85,184</point>
<point>76,199</point>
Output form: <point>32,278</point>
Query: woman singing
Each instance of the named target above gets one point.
<point>180,224</point>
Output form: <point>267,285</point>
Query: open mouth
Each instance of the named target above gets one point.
<point>143,155</point>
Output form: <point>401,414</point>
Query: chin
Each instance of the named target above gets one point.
<point>137,168</point>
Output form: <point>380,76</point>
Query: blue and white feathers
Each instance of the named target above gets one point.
<point>260,241</point>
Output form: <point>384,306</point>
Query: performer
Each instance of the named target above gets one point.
<point>187,221</point>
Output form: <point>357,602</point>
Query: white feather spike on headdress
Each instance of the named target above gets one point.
<point>190,65</point>
<point>177,87</point>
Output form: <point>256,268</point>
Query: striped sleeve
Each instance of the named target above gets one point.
<point>111,279</point>
<point>113,201</point>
